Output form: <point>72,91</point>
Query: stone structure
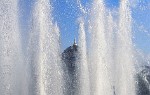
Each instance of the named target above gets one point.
<point>70,57</point>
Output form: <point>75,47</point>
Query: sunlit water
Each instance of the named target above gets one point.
<point>11,59</point>
<point>111,59</point>
<point>44,52</point>
<point>106,57</point>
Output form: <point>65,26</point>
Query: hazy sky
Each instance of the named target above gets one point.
<point>66,13</point>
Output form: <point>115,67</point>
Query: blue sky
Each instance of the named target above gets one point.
<point>66,12</point>
<point>141,25</point>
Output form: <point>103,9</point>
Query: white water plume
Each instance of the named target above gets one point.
<point>12,72</point>
<point>110,34</point>
<point>99,71</point>
<point>83,64</point>
<point>44,52</point>
<point>124,55</point>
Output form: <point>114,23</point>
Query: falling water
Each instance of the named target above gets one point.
<point>11,63</point>
<point>99,71</point>
<point>124,54</point>
<point>111,70</point>
<point>83,64</point>
<point>110,34</point>
<point>108,66</point>
<point>44,52</point>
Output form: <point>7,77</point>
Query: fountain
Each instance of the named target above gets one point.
<point>104,64</point>
<point>111,69</point>
<point>12,72</point>
<point>82,64</point>
<point>99,67</point>
<point>124,53</point>
<point>44,53</point>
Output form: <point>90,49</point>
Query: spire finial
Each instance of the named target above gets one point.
<point>75,42</point>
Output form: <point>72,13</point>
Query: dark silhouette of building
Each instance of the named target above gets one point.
<point>69,56</point>
<point>143,81</point>
<point>70,59</point>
